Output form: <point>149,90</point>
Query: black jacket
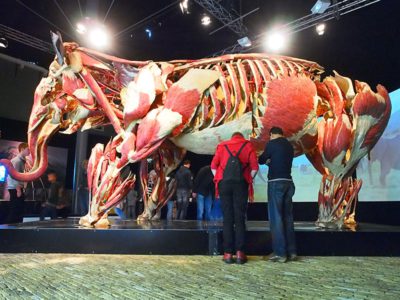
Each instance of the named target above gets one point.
<point>281,153</point>
<point>203,183</point>
<point>184,178</point>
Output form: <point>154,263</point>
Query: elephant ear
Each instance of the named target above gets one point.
<point>57,42</point>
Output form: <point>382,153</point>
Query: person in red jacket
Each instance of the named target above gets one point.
<point>234,192</point>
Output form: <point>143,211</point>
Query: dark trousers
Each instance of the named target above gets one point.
<point>234,198</point>
<point>182,202</point>
<point>280,211</point>
<point>48,211</point>
<point>83,200</point>
<point>16,212</point>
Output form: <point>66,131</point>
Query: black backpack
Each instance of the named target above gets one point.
<point>233,170</point>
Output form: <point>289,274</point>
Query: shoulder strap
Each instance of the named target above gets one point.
<point>230,153</point>
<point>241,148</point>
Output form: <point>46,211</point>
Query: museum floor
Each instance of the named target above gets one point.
<point>67,276</point>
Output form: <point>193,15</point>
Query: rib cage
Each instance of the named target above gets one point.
<point>242,85</point>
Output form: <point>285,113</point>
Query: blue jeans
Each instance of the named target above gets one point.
<point>120,213</point>
<point>204,207</point>
<point>170,206</point>
<point>280,211</point>
<point>216,211</point>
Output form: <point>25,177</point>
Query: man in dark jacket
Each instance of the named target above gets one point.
<point>204,191</point>
<point>234,193</point>
<point>49,208</point>
<point>278,154</point>
<point>184,182</point>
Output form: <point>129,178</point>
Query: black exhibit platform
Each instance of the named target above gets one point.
<point>190,237</point>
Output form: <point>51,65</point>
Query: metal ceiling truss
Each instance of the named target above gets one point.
<point>233,22</point>
<point>336,10</point>
<point>26,39</point>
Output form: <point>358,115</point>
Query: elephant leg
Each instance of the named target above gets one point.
<point>165,160</point>
<point>106,183</point>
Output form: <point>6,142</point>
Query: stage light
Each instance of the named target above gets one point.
<point>275,41</point>
<point>99,37</point>
<point>205,20</point>
<point>3,43</point>
<point>320,28</point>
<point>81,28</point>
<point>320,6</point>
<point>3,173</point>
<point>184,5</point>
<point>148,32</point>
<point>244,42</point>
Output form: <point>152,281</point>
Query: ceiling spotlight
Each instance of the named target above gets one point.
<point>205,20</point>
<point>320,28</point>
<point>148,32</point>
<point>320,6</point>
<point>184,5</point>
<point>244,42</point>
<point>275,41</point>
<point>3,43</point>
<point>81,28</point>
<point>99,37</point>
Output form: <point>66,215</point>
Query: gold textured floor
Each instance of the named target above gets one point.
<point>68,276</point>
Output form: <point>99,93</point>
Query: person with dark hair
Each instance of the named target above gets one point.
<point>55,193</point>
<point>16,188</point>
<point>204,190</point>
<point>184,183</point>
<point>234,166</point>
<point>278,155</point>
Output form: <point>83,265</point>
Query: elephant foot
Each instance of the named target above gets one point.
<point>90,222</point>
<point>156,216</point>
<point>144,217</point>
<point>85,221</point>
<point>327,224</point>
<point>103,223</point>
<point>150,214</point>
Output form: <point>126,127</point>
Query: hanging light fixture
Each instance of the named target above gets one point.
<point>184,5</point>
<point>3,42</point>
<point>320,28</point>
<point>320,6</point>
<point>205,20</point>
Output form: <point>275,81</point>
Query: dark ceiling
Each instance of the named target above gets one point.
<point>363,45</point>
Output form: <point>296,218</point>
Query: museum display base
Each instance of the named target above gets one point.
<point>190,237</point>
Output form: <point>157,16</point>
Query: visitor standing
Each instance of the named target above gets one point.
<point>55,193</point>
<point>83,191</point>
<point>151,181</point>
<point>184,183</point>
<point>278,154</point>
<point>234,166</point>
<point>204,191</point>
<point>16,188</point>
<point>130,204</point>
<point>216,210</point>
<point>171,187</point>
